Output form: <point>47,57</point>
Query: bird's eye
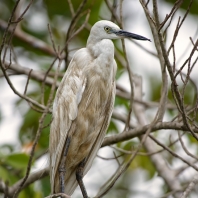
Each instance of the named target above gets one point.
<point>107,29</point>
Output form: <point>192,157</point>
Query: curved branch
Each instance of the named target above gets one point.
<point>31,179</point>
<point>137,132</point>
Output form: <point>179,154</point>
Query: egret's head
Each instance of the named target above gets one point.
<point>109,30</point>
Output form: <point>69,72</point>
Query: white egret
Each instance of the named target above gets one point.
<point>82,108</point>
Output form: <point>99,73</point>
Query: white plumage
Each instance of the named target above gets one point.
<point>84,103</point>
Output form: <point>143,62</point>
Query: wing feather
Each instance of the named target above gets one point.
<point>65,110</point>
<point>72,184</point>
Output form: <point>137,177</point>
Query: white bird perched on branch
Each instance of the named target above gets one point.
<point>82,108</point>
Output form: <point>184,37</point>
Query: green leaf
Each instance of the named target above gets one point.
<point>17,160</point>
<point>155,83</point>
<point>185,5</point>
<point>121,102</point>
<point>112,127</point>
<point>46,189</point>
<point>3,173</point>
<point>145,163</point>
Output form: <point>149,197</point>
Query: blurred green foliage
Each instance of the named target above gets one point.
<point>13,164</point>
<point>185,4</point>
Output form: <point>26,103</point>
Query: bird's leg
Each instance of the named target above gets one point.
<point>62,166</point>
<point>79,177</point>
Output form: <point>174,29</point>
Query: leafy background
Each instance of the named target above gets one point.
<point>14,154</point>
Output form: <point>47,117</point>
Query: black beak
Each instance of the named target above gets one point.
<point>125,34</point>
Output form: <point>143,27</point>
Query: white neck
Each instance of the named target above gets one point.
<point>102,47</point>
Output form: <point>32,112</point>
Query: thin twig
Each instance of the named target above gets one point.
<point>173,153</point>
<point>164,90</point>
<point>26,86</point>
<point>63,195</point>
<point>71,8</point>
<point>179,25</point>
<point>174,86</point>
<point>190,187</point>
<point>184,147</point>
<point>38,133</point>
<point>31,179</point>
<point>172,12</point>
<point>71,27</point>
<point>130,74</point>
<point>112,10</point>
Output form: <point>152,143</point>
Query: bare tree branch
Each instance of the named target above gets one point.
<point>137,132</point>
<point>190,187</point>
